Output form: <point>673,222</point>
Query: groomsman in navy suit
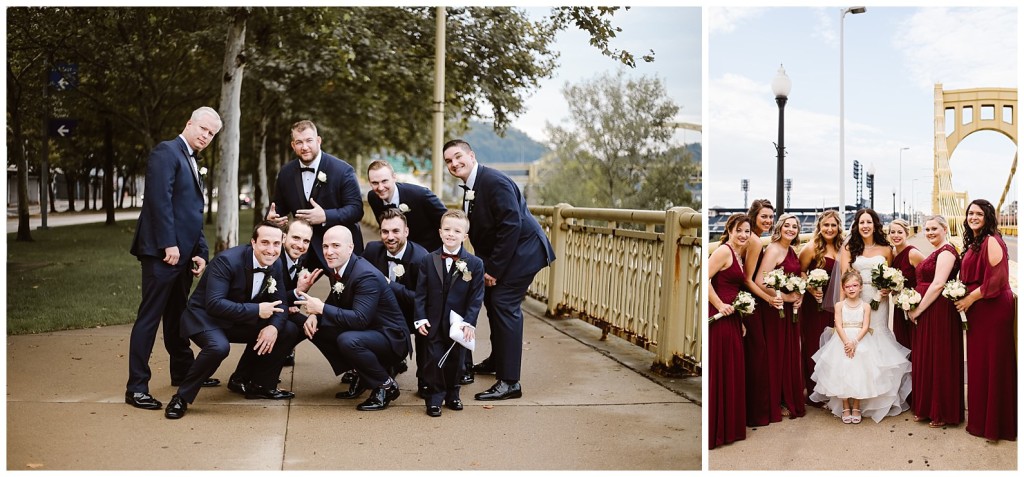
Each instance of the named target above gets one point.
<point>318,188</point>
<point>171,247</point>
<point>513,247</point>
<point>397,258</point>
<point>360,326</point>
<point>240,299</point>
<point>422,209</point>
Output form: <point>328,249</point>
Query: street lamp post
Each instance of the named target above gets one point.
<point>902,199</point>
<point>871,185</point>
<point>842,117</point>
<point>780,86</point>
<point>894,203</point>
<point>745,186</point>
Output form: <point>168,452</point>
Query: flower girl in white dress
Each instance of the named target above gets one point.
<point>854,372</point>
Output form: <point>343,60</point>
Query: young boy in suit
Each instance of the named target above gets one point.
<point>450,279</point>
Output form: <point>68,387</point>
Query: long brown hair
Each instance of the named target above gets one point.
<point>988,227</point>
<point>735,220</point>
<point>856,243</point>
<point>755,208</point>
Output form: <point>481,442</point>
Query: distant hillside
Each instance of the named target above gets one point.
<point>696,150</point>
<point>516,146</point>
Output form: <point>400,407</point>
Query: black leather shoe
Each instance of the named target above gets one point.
<point>484,367</point>
<point>467,378</point>
<point>401,368</point>
<point>434,411</point>
<point>209,383</point>
<point>501,390</point>
<point>176,408</point>
<point>422,391</point>
<point>237,386</point>
<point>354,390</point>
<point>455,405</point>
<point>290,359</point>
<point>142,400</point>
<point>379,398</point>
<point>253,391</point>
<point>348,376</point>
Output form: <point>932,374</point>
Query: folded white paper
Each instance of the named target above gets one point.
<point>456,333</point>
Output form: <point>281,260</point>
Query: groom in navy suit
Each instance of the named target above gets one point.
<point>171,248</point>
<point>422,209</point>
<point>318,188</point>
<point>513,247</point>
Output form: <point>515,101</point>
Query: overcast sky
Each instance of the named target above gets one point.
<point>893,58</point>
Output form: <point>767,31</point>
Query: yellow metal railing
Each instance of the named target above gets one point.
<point>633,273</point>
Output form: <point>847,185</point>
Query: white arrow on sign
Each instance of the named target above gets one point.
<point>63,130</point>
<point>62,84</point>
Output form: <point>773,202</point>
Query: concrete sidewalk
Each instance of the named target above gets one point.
<point>583,407</point>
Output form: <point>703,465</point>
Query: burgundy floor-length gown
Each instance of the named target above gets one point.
<point>782,337</point>
<point>812,323</point>
<point>902,328</point>
<point>727,409</point>
<point>755,356</point>
<point>937,358</point>
<point>991,357</point>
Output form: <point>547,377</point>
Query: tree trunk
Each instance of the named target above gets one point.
<point>51,190</point>
<point>260,199</point>
<point>108,171</point>
<point>16,148</point>
<point>230,111</point>
<point>69,182</point>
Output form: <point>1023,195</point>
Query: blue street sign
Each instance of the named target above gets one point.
<point>62,127</point>
<point>64,76</point>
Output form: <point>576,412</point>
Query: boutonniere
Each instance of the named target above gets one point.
<point>203,171</point>
<point>271,285</point>
<point>404,208</point>
<point>339,288</point>
<point>470,194</point>
<point>321,176</point>
<point>464,269</point>
<point>399,270</point>
<point>303,273</point>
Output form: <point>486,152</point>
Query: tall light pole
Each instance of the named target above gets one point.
<point>894,203</point>
<point>780,86</point>
<point>871,185</point>
<point>842,117</point>
<point>902,199</point>
<point>789,189</point>
<point>745,186</point>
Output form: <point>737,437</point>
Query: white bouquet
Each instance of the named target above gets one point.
<point>955,290</point>
<point>907,300</point>
<point>886,277</point>
<point>818,278</point>
<point>743,304</point>
<point>797,284</point>
<point>776,279</point>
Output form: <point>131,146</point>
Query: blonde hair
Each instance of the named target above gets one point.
<point>904,224</point>
<point>940,219</point>
<point>818,241</point>
<point>777,233</point>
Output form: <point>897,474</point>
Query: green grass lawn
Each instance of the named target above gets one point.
<point>79,276</point>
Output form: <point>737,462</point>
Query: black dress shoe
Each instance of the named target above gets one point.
<point>501,390</point>
<point>354,390</point>
<point>379,398</point>
<point>290,359</point>
<point>209,383</point>
<point>484,367</point>
<point>401,368</point>
<point>434,411</point>
<point>142,400</point>
<point>176,408</point>
<point>253,391</point>
<point>455,405</point>
<point>237,385</point>
<point>348,376</point>
<point>467,378</point>
<point>422,391</point>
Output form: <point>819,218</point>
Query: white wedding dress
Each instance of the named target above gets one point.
<point>879,373</point>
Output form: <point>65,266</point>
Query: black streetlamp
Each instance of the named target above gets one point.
<point>780,86</point>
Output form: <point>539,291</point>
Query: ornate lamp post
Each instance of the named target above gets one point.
<point>780,86</point>
<point>842,117</point>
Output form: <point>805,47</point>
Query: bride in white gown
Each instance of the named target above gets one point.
<point>867,246</point>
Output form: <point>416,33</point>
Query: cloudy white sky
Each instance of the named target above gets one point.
<point>674,33</point>
<point>893,58</point>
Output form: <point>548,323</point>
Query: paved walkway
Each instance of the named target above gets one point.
<point>587,404</point>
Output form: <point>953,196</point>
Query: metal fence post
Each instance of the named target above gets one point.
<point>679,333</point>
<point>556,279</point>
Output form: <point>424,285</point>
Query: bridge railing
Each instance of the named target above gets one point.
<point>632,273</point>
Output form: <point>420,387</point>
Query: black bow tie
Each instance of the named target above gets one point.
<point>464,187</point>
<point>263,270</point>
<point>306,169</point>
<point>393,259</point>
<point>391,206</point>
<point>292,268</point>
<point>453,256</point>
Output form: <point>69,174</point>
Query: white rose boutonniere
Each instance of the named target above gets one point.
<point>203,171</point>
<point>470,194</point>
<point>271,285</point>
<point>399,270</point>
<point>303,273</point>
<point>404,208</point>
<point>321,176</point>
<point>339,288</point>
<point>463,268</point>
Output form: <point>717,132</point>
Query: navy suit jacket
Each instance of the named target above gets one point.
<point>290,282</point>
<point>222,298</point>
<point>404,287</point>
<point>434,301</point>
<point>503,232</point>
<point>339,196</point>
<point>366,303</point>
<point>424,215</point>
<point>172,211</point>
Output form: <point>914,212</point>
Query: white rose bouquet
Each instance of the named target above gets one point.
<point>955,290</point>
<point>818,278</point>
<point>776,279</point>
<point>743,304</point>
<point>795,284</point>
<point>886,277</point>
<point>907,300</point>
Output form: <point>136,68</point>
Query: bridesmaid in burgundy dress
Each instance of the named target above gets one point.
<point>937,361</point>
<point>782,334</point>
<point>991,357</point>
<point>755,353</point>
<point>727,408</point>
<point>820,252</point>
<point>906,260</point>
